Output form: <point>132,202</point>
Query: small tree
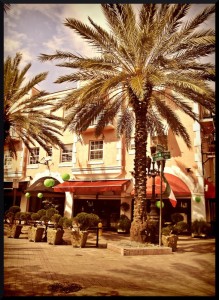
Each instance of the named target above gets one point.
<point>10,214</point>
<point>124,223</point>
<point>86,220</point>
<point>35,216</point>
<point>50,212</point>
<point>55,218</point>
<point>41,212</point>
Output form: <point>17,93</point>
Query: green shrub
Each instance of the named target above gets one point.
<point>65,222</point>
<point>86,220</point>
<point>14,209</point>
<point>124,223</point>
<point>180,227</point>
<point>167,230</point>
<point>55,218</point>
<point>17,215</point>
<point>41,212</point>
<point>25,216</point>
<point>11,212</point>
<point>50,212</point>
<point>177,217</point>
<point>45,219</point>
<point>201,227</point>
<point>35,216</point>
<point>62,221</point>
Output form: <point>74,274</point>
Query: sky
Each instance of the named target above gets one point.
<point>33,29</point>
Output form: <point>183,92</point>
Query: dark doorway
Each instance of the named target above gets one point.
<point>107,210</point>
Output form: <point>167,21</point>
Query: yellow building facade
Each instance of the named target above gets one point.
<point>101,169</point>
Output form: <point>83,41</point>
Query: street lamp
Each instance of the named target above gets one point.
<point>152,214</point>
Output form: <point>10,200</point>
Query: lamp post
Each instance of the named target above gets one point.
<point>153,221</point>
<point>161,198</point>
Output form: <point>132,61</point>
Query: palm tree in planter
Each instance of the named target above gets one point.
<point>144,70</point>
<point>24,116</point>
<point>81,223</point>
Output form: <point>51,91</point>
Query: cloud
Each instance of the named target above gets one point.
<point>54,43</point>
<point>11,45</point>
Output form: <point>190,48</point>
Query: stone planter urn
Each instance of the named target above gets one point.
<point>170,241</point>
<point>35,234</point>
<point>79,238</point>
<point>14,231</point>
<point>54,236</point>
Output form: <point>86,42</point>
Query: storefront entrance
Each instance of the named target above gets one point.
<point>107,210</point>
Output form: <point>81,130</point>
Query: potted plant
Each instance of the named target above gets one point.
<point>81,223</point>
<point>124,224</point>
<point>168,238</point>
<point>200,228</point>
<point>54,235</point>
<point>13,230</point>
<point>35,232</point>
<point>169,234</point>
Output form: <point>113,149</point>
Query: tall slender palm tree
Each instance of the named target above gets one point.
<point>24,115</point>
<point>142,64</point>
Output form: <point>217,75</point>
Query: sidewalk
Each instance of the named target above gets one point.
<point>40,269</point>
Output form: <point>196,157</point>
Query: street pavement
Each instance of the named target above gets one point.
<point>41,269</point>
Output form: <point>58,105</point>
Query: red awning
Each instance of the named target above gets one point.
<point>92,187</point>
<point>149,186</point>
<point>178,187</point>
<point>210,193</point>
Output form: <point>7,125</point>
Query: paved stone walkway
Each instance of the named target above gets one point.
<point>31,268</point>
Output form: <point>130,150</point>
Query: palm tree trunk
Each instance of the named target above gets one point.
<point>139,221</point>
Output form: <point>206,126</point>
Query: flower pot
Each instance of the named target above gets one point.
<point>35,234</point>
<point>54,236</point>
<point>14,231</point>
<point>170,241</point>
<point>79,238</point>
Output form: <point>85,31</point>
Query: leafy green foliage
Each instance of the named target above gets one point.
<point>124,223</point>
<point>86,220</point>
<point>50,212</point>
<point>177,217</point>
<point>11,213</point>
<point>200,226</point>
<point>55,218</point>
<point>23,115</point>
<point>35,216</point>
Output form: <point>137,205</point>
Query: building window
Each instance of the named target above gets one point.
<point>8,160</point>
<point>96,150</point>
<point>49,153</point>
<point>34,156</point>
<point>66,155</point>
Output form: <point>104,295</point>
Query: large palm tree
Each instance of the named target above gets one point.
<point>141,66</point>
<point>24,115</point>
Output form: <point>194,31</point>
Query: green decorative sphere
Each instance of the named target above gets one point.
<point>47,182</point>
<point>40,195</point>
<point>27,195</point>
<point>158,204</point>
<point>65,176</point>
<point>197,199</point>
<point>52,182</point>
